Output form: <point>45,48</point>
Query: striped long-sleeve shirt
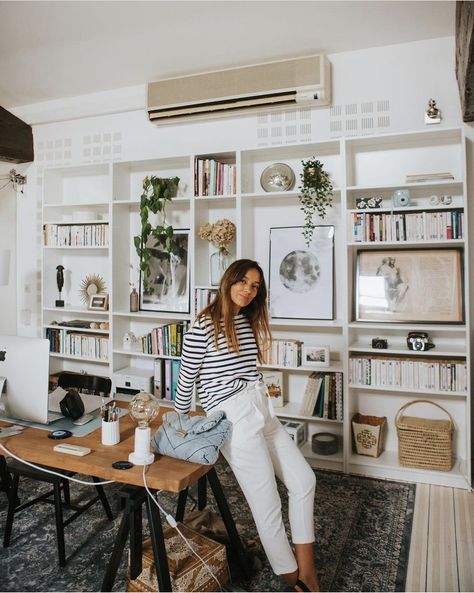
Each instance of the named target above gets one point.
<point>217,373</point>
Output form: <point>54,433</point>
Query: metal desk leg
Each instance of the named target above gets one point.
<point>181,506</point>
<point>228,520</point>
<point>131,523</point>
<point>202,493</point>
<point>158,544</point>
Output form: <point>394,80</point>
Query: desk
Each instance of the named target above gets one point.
<point>165,473</point>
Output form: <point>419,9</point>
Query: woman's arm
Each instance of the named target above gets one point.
<point>194,349</point>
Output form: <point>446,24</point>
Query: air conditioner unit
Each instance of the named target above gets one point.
<point>294,82</point>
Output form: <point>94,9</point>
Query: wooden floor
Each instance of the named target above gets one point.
<point>442,542</point>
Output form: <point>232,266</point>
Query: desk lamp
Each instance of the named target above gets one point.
<point>143,408</point>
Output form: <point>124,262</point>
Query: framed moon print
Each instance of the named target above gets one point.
<point>301,279</point>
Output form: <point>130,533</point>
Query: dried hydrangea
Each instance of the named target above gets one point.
<point>220,234</point>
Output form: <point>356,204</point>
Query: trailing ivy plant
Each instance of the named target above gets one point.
<point>156,193</point>
<point>315,194</point>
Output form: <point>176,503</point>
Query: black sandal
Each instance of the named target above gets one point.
<point>303,586</point>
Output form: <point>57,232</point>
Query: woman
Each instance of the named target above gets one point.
<point>220,355</point>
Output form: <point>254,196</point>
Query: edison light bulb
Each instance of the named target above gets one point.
<point>143,408</point>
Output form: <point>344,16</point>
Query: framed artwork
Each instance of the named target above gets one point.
<point>315,356</point>
<point>166,287</point>
<point>301,279</point>
<point>410,285</point>
<point>99,302</point>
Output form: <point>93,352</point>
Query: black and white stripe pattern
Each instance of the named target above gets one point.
<point>218,374</point>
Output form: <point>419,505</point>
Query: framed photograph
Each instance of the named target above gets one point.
<point>274,383</point>
<point>99,302</point>
<point>301,279</point>
<point>315,356</point>
<point>166,288</point>
<point>410,285</point>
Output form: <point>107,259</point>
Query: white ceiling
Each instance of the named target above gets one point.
<point>51,50</point>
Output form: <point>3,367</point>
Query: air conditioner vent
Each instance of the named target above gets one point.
<point>293,82</point>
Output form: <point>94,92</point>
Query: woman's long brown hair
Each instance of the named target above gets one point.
<point>221,309</point>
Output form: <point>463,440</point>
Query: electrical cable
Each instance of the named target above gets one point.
<point>172,522</point>
<point>49,471</point>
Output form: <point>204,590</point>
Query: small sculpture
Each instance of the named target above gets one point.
<point>432,114</point>
<point>60,283</point>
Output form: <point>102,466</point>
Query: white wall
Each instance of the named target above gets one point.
<point>8,297</point>
<point>378,90</point>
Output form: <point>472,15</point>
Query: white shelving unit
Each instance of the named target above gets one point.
<point>359,167</point>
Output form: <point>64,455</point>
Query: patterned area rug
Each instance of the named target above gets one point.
<point>362,526</point>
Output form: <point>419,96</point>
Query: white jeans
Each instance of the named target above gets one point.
<point>258,449</point>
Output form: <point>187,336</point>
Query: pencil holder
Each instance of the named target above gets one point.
<point>110,432</point>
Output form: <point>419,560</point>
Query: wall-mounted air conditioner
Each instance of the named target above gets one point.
<point>304,81</point>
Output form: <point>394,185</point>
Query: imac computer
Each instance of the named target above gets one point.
<point>24,376</point>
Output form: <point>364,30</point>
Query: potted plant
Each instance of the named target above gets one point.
<point>156,193</point>
<point>315,194</point>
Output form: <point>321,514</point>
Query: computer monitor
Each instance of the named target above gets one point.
<point>24,363</point>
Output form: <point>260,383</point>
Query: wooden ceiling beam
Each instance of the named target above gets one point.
<point>465,57</point>
<point>16,139</point>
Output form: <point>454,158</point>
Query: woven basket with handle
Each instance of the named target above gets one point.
<point>423,442</point>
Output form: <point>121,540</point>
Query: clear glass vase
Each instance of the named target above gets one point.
<point>218,264</point>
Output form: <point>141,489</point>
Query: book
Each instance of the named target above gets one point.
<point>274,383</point>
<point>310,396</point>
<point>168,379</point>
<point>159,378</point>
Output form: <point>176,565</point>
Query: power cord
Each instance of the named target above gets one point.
<point>172,522</point>
<point>49,471</point>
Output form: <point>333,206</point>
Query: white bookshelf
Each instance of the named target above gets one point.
<point>359,167</point>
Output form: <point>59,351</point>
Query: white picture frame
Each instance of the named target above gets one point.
<point>167,290</point>
<point>301,278</point>
<point>99,302</point>
<point>315,356</point>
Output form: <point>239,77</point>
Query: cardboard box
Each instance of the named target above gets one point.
<point>296,430</point>
<point>186,571</point>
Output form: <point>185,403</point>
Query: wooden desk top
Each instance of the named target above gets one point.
<point>165,473</point>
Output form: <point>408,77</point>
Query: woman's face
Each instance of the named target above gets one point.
<point>245,290</point>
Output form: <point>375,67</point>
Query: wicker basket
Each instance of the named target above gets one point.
<point>423,442</point>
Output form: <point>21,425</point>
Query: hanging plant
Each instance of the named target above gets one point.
<point>315,194</point>
<point>156,193</point>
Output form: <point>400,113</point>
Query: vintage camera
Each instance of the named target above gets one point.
<point>380,343</point>
<point>419,341</point>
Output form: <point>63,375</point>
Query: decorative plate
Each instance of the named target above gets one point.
<point>92,284</point>
<point>277,177</point>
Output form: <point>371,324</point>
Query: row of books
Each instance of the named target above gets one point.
<point>166,378</point>
<point>166,340</point>
<point>213,178</point>
<point>203,297</point>
<point>418,226</point>
<point>76,235</point>
<point>427,374</point>
<point>420,177</point>
<point>323,396</point>
<point>284,353</point>
<point>85,345</point>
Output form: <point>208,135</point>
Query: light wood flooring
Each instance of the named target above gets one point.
<point>442,542</point>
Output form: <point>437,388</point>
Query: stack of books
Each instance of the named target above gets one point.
<point>323,396</point>
<point>420,177</point>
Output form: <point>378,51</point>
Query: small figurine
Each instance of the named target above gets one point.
<point>60,283</point>
<point>432,114</point>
